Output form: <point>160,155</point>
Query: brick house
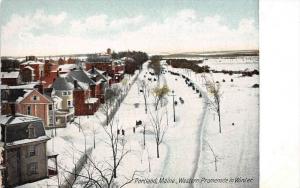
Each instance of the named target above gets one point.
<point>103,62</point>
<point>36,104</point>
<point>28,102</point>
<point>33,69</point>
<point>114,68</point>
<point>86,92</point>
<point>102,82</point>
<point>50,70</point>
<point>10,78</point>
<point>25,149</point>
<point>83,102</point>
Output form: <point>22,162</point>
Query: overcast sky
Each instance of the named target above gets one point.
<point>40,27</point>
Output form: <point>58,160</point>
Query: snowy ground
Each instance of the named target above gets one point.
<point>184,152</point>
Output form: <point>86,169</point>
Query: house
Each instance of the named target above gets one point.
<point>114,68</point>
<point>36,104</point>
<point>83,102</point>
<point>50,70</point>
<point>62,115</point>
<point>101,62</point>
<point>9,64</point>
<point>28,102</point>
<point>25,149</point>
<point>102,82</point>
<point>9,98</point>
<point>32,70</point>
<point>86,92</point>
<point>10,78</point>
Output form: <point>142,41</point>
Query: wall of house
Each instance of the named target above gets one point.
<point>82,108</point>
<point>40,158</point>
<point>18,161</point>
<point>27,75</point>
<point>39,107</point>
<point>37,70</point>
<point>104,66</point>
<point>10,81</point>
<point>65,98</point>
<point>38,110</point>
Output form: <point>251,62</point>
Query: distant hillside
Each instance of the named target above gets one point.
<point>214,54</point>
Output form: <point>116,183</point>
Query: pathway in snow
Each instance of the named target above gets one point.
<point>183,139</point>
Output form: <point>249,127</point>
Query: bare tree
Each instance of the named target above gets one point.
<point>110,96</point>
<point>159,128</point>
<point>100,174</point>
<point>214,155</point>
<point>214,89</point>
<point>145,90</point>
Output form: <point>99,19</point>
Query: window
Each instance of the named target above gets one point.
<point>65,93</point>
<point>31,131</point>
<point>69,92</point>
<point>32,168</point>
<point>31,151</point>
<point>50,106</point>
<point>35,98</point>
<point>28,110</point>
<point>69,104</point>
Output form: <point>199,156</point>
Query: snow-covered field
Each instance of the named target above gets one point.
<point>184,151</point>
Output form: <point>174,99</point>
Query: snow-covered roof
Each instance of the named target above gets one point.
<point>14,74</point>
<point>19,118</point>
<point>91,100</point>
<point>26,141</point>
<point>67,67</point>
<point>17,128</point>
<point>27,92</point>
<point>29,67</point>
<point>61,83</point>
<point>32,63</point>
<point>25,86</point>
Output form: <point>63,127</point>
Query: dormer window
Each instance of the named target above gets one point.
<point>31,131</point>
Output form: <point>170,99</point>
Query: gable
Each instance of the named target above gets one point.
<point>35,97</point>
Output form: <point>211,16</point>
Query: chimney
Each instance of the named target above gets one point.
<point>75,84</point>
<point>40,88</point>
<point>13,109</point>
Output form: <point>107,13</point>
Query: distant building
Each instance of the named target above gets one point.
<point>10,78</point>
<point>102,82</point>
<point>32,71</point>
<point>102,62</point>
<point>9,65</point>
<point>25,150</point>
<point>50,70</point>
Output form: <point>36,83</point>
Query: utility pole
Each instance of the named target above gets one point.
<point>173,95</point>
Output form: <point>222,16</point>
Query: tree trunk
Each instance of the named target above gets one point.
<point>157,150</point>
<point>219,115</point>
<point>144,137</point>
<point>94,141</point>
<point>115,173</point>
